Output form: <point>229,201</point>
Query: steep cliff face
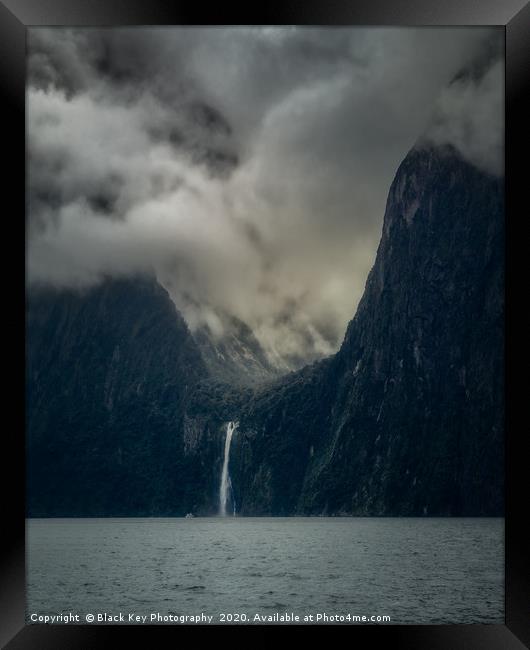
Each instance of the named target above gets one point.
<point>108,373</point>
<point>407,418</point>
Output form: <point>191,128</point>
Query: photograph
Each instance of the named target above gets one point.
<point>265,325</point>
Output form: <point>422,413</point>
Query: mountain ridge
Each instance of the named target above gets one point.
<point>389,358</point>
<point>405,419</point>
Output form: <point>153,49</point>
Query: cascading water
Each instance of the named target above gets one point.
<point>226,484</point>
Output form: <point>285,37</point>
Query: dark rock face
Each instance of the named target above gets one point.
<point>108,373</point>
<point>124,417</point>
<point>407,418</point>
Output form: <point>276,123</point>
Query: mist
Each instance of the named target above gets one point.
<point>248,168</point>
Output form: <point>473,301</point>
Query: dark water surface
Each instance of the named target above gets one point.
<point>413,570</point>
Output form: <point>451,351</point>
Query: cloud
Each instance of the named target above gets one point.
<point>248,167</point>
<point>470,117</point>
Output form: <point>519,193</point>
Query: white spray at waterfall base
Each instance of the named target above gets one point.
<point>226,484</point>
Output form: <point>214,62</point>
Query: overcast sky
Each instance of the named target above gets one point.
<point>248,167</point>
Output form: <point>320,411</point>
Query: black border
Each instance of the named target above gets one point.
<point>514,15</point>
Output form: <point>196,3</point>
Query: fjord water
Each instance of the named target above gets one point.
<point>427,570</point>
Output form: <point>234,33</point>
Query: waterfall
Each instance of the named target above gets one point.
<point>226,484</point>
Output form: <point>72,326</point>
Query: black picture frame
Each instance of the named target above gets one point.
<point>15,17</point>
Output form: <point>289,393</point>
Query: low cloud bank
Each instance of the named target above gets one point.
<point>248,167</point>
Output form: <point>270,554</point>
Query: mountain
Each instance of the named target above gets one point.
<point>236,356</point>
<point>407,418</point>
<point>127,411</point>
<point>108,372</point>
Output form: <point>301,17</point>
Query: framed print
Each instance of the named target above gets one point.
<point>267,363</point>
